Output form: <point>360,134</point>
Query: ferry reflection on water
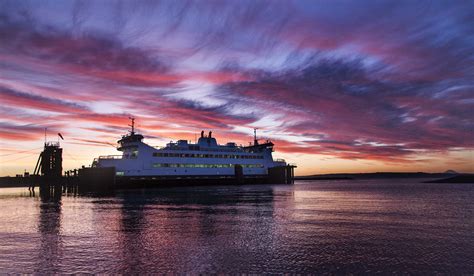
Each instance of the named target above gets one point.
<point>373,226</point>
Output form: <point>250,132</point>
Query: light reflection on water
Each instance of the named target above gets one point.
<point>340,226</point>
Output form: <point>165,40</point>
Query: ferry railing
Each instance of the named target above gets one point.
<point>111,157</point>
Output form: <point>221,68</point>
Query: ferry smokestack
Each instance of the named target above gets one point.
<point>210,134</point>
<point>202,134</point>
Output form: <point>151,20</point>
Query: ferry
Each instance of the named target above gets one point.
<point>204,159</point>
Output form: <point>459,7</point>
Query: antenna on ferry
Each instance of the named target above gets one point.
<point>133,124</point>
<point>255,142</point>
<point>45,135</point>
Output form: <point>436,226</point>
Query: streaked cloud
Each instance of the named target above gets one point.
<point>388,81</point>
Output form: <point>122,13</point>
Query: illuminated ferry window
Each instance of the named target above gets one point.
<point>179,165</point>
<point>120,173</point>
<point>195,155</point>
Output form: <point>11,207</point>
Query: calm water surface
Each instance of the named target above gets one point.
<point>376,226</point>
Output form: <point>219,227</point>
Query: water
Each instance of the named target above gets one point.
<point>376,226</point>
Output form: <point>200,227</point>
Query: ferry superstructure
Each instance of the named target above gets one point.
<point>182,159</point>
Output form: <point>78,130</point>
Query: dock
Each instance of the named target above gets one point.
<point>49,177</point>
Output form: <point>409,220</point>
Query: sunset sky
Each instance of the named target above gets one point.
<point>338,86</point>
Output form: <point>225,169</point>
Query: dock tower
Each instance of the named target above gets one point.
<point>50,161</point>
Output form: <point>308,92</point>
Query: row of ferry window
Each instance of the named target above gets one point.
<point>168,165</point>
<point>199,155</point>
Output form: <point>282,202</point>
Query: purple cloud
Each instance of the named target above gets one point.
<point>385,81</point>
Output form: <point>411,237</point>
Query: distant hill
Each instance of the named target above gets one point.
<point>376,175</point>
<point>451,172</point>
<point>460,178</point>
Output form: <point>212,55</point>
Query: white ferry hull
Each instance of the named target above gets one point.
<point>205,161</point>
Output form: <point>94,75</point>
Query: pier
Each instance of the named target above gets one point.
<point>49,177</point>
